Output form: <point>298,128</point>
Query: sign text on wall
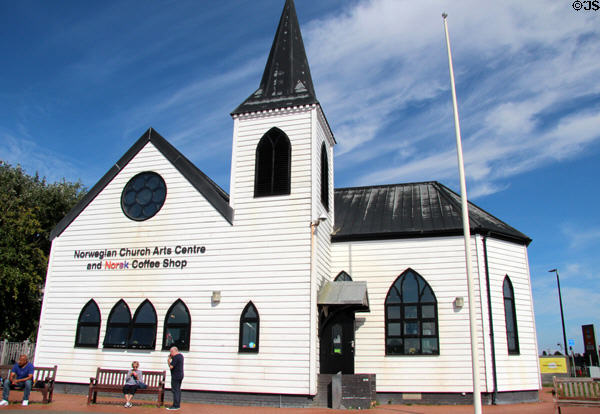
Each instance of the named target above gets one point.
<point>138,258</point>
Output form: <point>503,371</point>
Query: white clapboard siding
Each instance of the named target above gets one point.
<point>514,372</point>
<point>289,218</point>
<point>261,258</point>
<point>321,269</point>
<point>379,263</point>
<point>441,262</point>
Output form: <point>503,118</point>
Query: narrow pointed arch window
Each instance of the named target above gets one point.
<point>510,316</point>
<point>273,164</point>
<point>117,328</point>
<point>249,329</point>
<point>324,177</point>
<point>343,277</point>
<point>88,326</point>
<point>411,318</point>
<point>178,324</point>
<point>143,329</point>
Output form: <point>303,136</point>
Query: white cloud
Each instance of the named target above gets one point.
<point>579,237</point>
<point>515,63</point>
<point>20,150</point>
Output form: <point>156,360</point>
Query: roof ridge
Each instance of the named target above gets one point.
<point>384,185</point>
<point>483,211</point>
<point>415,217</point>
<point>182,157</point>
<point>214,194</point>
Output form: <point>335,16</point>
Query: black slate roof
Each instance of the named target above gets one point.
<point>216,196</point>
<point>410,210</point>
<point>286,81</point>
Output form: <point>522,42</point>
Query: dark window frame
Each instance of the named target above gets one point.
<point>419,319</point>
<point>511,300</point>
<point>244,319</point>
<point>324,177</point>
<point>343,277</point>
<point>126,207</point>
<point>187,326</point>
<point>134,324</point>
<point>271,176</point>
<point>110,325</point>
<point>81,324</point>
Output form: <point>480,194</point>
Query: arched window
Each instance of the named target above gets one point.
<point>324,178</point>
<point>273,164</point>
<point>411,320</point>
<point>143,330</point>
<point>249,325</point>
<point>117,328</point>
<point>510,315</point>
<point>88,326</point>
<point>177,327</point>
<point>343,277</point>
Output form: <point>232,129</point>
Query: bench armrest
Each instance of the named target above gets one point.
<point>92,381</point>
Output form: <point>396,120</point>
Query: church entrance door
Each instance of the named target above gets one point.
<point>337,344</point>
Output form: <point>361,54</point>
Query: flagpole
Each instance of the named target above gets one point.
<point>467,234</point>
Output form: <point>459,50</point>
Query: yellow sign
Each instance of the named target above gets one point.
<point>553,365</point>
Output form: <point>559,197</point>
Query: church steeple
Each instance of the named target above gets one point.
<point>286,80</point>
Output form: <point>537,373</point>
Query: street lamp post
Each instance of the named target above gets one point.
<point>562,316</point>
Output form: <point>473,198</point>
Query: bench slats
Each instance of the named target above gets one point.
<point>576,392</point>
<point>47,375</point>
<point>113,380</point>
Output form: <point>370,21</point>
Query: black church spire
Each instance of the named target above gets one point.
<point>286,80</point>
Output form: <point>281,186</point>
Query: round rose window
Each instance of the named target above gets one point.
<point>143,196</point>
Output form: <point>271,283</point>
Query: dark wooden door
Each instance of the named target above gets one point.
<point>337,344</point>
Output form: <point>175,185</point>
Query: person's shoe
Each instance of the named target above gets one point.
<point>25,403</point>
<point>3,402</point>
<point>172,408</point>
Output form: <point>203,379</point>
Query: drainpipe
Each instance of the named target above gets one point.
<point>489,299</point>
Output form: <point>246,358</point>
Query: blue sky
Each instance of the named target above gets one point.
<point>81,81</point>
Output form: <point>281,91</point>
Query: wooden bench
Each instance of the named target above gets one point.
<point>43,380</point>
<point>113,380</point>
<point>580,392</point>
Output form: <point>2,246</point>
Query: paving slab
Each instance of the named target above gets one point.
<point>77,404</point>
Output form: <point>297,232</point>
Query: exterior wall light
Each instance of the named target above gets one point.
<point>318,221</point>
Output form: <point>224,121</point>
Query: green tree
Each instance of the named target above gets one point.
<point>29,210</point>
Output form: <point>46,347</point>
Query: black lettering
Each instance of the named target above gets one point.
<point>174,263</point>
<point>145,264</point>
<point>93,266</point>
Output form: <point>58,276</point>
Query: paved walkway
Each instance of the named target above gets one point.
<point>76,404</point>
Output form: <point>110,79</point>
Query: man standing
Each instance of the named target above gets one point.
<point>21,376</point>
<point>175,362</point>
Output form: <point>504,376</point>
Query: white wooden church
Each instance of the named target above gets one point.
<point>270,288</point>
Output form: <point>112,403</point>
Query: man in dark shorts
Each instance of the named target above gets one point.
<point>175,362</point>
<point>21,376</point>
